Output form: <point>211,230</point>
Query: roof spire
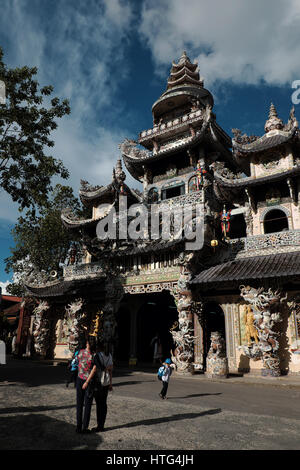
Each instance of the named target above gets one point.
<point>184,58</point>
<point>118,174</point>
<point>184,73</point>
<point>273,122</point>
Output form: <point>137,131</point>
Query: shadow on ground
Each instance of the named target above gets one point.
<point>195,395</point>
<point>33,409</point>
<point>131,382</point>
<point>166,419</point>
<point>34,373</point>
<point>40,432</point>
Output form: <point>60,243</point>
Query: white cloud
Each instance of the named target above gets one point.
<point>243,42</point>
<point>3,286</point>
<point>80,51</point>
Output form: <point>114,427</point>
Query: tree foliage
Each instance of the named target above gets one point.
<point>41,241</point>
<point>26,123</point>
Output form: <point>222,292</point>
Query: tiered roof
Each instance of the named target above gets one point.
<point>184,84</point>
<point>276,133</point>
<point>184,73</point>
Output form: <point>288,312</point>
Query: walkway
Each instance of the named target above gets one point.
<point>38,412</point>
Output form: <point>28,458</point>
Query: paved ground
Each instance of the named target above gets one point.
<point>38,412</point>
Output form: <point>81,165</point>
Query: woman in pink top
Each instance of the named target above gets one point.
<point>84,396</point>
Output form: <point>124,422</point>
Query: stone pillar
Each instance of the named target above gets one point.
<point>113,295</point>
<point>197,309</point>
<point>76,322</point>
<point>266,313</point>
<point>183,338</point>
<point>41,329</point>
<point>133,337</point>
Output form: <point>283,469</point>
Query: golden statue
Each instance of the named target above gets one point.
<point>96,324</point>
<point>251,331</point>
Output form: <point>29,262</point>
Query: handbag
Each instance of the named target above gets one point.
<point>103,374</point>
<point>105,378</point>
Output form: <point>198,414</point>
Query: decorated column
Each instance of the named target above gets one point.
<point>183,337</point>
<point>265,314</point>
<point>113,295</point>
<point>75,322</point>
<point>41,328</point>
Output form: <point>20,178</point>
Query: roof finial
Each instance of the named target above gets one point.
<point>184,58</point>
<point>272,112</point>
<point>118,174</point>
<point>273,122</point>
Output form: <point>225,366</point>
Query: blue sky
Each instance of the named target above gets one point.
<point>111,59</point>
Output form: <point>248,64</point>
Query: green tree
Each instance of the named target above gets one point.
<point>41,241</point>
<point>25,127</point>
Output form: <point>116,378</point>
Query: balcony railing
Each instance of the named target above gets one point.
<point>86,270</point>
<point>269,241</point>
<point>159,128</point>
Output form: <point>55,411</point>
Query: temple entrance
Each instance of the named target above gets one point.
<point>214,320</point>
<point>155,317</point>
<point>140,318</point>
<point>122,346</point>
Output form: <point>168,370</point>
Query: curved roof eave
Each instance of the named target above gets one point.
<point>249,181</point>
<point>265,142</point>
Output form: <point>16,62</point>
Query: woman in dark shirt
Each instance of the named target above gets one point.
<point>102,363</point>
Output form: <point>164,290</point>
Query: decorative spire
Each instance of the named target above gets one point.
<point>118,174</point>
<point>184,59</point>
<point>273,122</point>
<point>184,73</point>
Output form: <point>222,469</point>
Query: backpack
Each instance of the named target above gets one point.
<point>160,372</point>
<point>73,365</point>
<point>102,377</point>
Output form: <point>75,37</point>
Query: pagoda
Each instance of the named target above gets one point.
<point>229,304</point>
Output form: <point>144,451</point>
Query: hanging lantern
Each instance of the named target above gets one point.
<point>213,244</point>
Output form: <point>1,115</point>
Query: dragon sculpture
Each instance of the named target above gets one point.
<point>216,361</point>
<point>75,321</point>
<point>183,337</point>
<point>41,328</point>
<point>263,303</point>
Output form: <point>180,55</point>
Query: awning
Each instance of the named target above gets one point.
<point>280,265</point>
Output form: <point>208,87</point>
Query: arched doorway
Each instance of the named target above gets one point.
<point>122,347</point>
<point>156,316</point>
<point>214,320</point>
<point>275,221</point>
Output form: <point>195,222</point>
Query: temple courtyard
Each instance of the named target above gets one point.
<point>38,412</point>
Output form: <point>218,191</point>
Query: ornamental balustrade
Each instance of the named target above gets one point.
<point>177,122</point>
<point>133,266</point>
<point>77,271</point>
<point>185,199</point>
<point>272,241</point>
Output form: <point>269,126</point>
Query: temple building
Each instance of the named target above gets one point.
<point>224,296</point>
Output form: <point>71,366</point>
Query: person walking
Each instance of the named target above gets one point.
<point>84,395</point>
<point>102,375</point>
<point>14,344</point>
<point>73,365</point>
<point>157,349</point>
<point>168,369</point>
